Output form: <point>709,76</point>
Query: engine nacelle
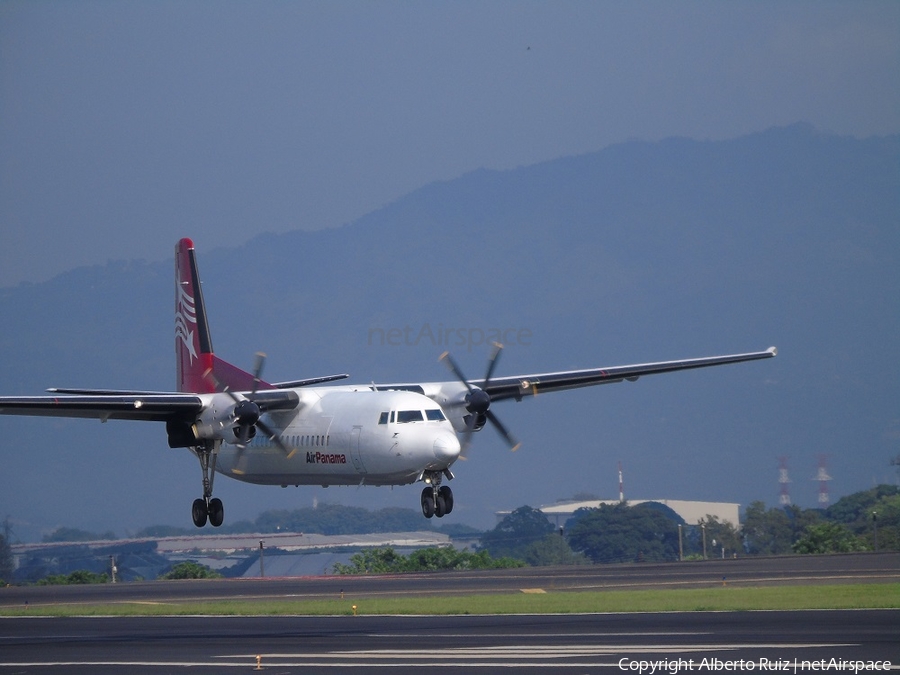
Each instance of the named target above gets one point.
<point>460,419</point>
<point>217,421</point>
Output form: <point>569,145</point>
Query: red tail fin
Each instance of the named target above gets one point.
<point>198,369</point>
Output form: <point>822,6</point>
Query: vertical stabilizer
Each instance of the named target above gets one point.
<point>193,346</point>
<point>198,369</point>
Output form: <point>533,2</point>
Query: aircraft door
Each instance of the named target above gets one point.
<point>354,451</point>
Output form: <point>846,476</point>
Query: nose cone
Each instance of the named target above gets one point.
<point>446,447</point>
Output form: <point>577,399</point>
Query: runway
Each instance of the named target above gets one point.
<point>591,643</point>
<point>586,643</point>
<point>756,571</point>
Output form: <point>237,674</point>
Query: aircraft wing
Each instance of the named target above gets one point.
<point>518,386</point>
<point>105,406</point>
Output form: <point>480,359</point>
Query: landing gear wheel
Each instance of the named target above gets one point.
<point>428,502</point>
<point>216,512</point>
<point>447,494</point>
<point>440,508</point>
<point>199,512</point>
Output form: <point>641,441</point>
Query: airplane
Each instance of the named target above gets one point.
<point>312,431</point>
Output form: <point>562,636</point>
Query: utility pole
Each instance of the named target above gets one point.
<point>875,528</point>
<point>703,528</point>
<point>262,566</point>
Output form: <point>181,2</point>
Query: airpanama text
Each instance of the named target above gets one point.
<point>323,458</point>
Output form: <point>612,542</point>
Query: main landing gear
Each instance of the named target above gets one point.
<point>208,507</point>
<point>437,500</point>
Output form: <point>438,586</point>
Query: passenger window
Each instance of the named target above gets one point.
<point>434,416</point>
<point>405,416</point>
<point>383,419</point>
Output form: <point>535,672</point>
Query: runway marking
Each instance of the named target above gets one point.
<point>523,653</point>
<point>510,656</point>
<point>514,656</point>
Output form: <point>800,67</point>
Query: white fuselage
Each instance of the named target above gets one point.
<point>348,436</point>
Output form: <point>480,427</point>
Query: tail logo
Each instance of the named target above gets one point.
<point>185,316</point>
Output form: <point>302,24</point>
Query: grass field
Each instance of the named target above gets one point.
<point>725,598</point>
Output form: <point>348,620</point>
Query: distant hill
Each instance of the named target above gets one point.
<point>641,251</point>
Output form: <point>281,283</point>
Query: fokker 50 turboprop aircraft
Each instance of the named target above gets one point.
<point>302,433</point>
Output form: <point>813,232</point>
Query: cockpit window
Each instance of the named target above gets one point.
<point>404,416</point>
<point>435,415</point>
<point>383,419</point>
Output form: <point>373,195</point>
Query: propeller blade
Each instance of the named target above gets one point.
<point>467,438</point>
<point>289,452</point>
<point>492,363</point>
<point>454,368</point>
<point>478,401</point>
<point>210,377</point>
<point>498,425</point>
<point>259,362</point>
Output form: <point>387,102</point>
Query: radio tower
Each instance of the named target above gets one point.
<point>621,486</point>
<point>823,478</point>
<point>784,497</point>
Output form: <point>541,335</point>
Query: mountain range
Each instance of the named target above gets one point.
<point>641,251</point>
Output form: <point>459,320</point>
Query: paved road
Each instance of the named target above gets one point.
<point>591,643</point>
<point>851,568</point>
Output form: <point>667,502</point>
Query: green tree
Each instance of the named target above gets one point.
<point>190,570</point>
<point>76,577</point>
<point>856,510</point>
<point>863,511</point>
<point>887,522</point>
<point>373,561</point>
<point>622,533</point>
<point>553,550</point>
<point>432,559</point>
<point>766,532</point>
<point>516,533</point>
<point>720,535</point>
<point>828,538</point>
<point>774,531</point>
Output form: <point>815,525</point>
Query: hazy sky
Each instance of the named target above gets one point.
<point>125,125</point>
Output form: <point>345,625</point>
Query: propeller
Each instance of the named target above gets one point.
<point>247,412</point>
<point>478,401</point>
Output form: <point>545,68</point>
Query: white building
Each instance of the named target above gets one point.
<point>692,512</point>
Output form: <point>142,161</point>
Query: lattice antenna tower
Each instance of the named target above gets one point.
<point>784,495</point>
<point>621,486</point>
<point>823,478</point>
